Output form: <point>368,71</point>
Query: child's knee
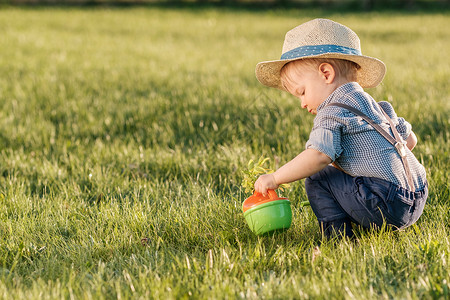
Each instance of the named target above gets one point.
<point>317,179</point>
<point>313,183</point>
<point>319,176</point>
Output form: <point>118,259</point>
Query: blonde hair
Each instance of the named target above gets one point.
<point>343,68</point>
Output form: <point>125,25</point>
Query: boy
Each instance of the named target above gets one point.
<point>373,178</point>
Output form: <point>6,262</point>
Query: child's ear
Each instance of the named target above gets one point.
<point>327,72</point>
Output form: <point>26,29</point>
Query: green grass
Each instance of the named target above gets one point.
<point>123,133</point>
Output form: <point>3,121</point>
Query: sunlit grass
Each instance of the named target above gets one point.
<point>123,134</point>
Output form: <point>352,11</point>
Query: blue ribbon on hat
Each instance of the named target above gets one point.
<point>305,51</point>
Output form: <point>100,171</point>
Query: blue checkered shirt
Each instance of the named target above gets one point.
<point>356,146</point>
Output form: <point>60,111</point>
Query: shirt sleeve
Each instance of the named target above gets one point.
<point>403,127</point>
<point>325,137</point>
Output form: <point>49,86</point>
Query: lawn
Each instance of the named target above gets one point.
<point>124,133</point>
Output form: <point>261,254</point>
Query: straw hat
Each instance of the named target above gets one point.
<point>322,38</point>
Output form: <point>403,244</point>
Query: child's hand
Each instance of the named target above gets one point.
<point>264,183</point>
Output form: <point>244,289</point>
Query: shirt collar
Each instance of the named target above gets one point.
<point>340,92</point>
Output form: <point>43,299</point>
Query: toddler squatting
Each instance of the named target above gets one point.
<point>358,162</point>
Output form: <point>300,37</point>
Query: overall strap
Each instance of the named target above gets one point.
<point>397,142</point>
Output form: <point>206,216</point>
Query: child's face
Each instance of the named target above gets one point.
<point>307,83</point>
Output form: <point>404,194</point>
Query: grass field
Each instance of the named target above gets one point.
<point>123,134</point>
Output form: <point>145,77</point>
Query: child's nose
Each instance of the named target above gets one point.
<point>303,104</point>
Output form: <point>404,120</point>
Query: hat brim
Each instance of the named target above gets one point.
<point>369,75</point>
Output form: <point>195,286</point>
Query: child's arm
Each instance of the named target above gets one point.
<point>411,141</point>
<point>303,165</point>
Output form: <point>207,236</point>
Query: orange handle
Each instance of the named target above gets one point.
<point>271,194</point>
<point>258,198</point>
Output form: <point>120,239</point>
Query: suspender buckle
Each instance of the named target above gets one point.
<point>400,147</point>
